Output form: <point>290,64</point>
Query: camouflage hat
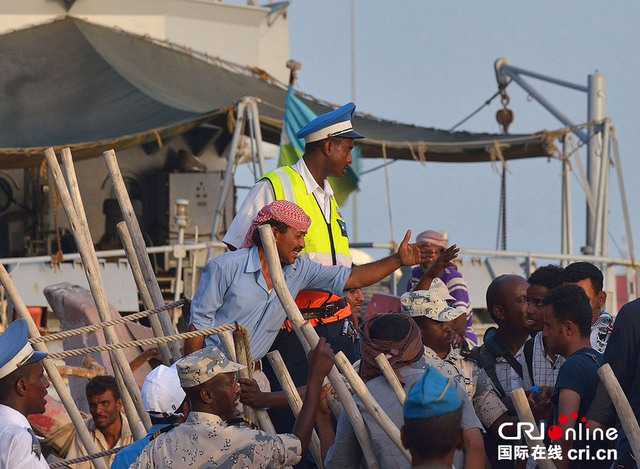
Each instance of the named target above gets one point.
<point>429,304</point>
<point>439,286</point>
<point>202,365</point>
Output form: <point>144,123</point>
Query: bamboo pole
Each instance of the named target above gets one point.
<point>294,400</point>
<point>379,415</point>
<point>131,399</point>
<point>258,415</point>
<point>392,378</point>
<point>226,340</point>
<point>292,311</point>
<point>621,403</point>
<point>50,367</point>
<point>79,227</point>
<point>523,409</point>
<point>131,221</point>
<point>130,252</point>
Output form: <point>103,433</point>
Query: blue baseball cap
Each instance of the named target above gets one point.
<point>15,349</point>
<point>432,396</point>
<point>336,123</point>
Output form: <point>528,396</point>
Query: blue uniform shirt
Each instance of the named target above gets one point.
<point>232,288</point>
<point>127,456</point>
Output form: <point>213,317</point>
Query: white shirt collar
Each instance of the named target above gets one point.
<point>11,414</point>
<point>301,168</point>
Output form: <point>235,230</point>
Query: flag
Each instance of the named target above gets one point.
<point>296,116</point>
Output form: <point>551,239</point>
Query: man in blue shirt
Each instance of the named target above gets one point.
<point>166,403</point>
<point>567,325</point>
<point>237,286</point>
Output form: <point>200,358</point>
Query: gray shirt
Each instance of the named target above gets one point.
<point>346,453</point>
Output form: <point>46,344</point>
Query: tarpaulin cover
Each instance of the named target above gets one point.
<point>72,83</point>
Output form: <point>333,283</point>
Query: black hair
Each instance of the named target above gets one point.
<point>280,226</point>
<point>443,432</point>
<point>311,147</point>
<point>8,382</point>
<point>570,303</point>
<point>549,276</point>
<point>494,295</point>
<point>392,327</point>
<point>577,271</point>
<point>100,385</point>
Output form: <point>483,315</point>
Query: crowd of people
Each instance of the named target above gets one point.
<point>551,336</point>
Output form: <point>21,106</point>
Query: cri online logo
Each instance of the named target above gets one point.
<point>555,432</point>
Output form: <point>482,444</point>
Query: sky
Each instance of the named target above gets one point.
<point>432,63</point>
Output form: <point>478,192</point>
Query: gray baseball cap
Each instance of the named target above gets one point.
<point>202,365</point>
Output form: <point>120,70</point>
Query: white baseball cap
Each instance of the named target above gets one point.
<point>439,286</point>
<point>161,393</point>
<point>429,304</point>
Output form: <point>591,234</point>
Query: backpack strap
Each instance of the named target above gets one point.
<point>528,357</point>
<point>487,361</point>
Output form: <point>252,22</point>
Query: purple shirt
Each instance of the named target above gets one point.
<point>457,288</point>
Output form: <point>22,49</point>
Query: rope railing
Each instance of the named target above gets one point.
<point>142,342</point>
<point>89,457</point>
<point>111,322</point>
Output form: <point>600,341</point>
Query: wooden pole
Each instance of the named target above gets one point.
<point>392,378</point>
<point>131,221</point>
<point>226,340</point>
<point>294,400</point>
<point>50,367</point>
<point>370,403</point>
<point>292,311</point>
<point>156,327</point>
<point>80,230</point>
<point>259,415</point>
<point>523,409</point>
<point>621,403</point>
<point>131,399</point>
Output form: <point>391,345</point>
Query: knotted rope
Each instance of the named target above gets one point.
<point>89,457</point>
<point>141,342</point>
<point>101,325</point>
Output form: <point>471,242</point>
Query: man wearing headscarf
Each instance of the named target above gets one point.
<point>398,337</point>
<point>433,244</point>
<point>237,286</point>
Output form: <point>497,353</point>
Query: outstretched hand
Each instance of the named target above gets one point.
<point>408,254</point>
<point>443,261</point>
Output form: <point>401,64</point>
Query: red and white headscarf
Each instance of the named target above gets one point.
<point>280,210</point>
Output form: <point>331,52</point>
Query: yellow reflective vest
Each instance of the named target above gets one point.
<point>326,243</point>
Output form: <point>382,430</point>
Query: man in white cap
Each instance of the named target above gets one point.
<point>166,403</point>
<point>23,388</point>
<point>205,439</point>
<point>433,244</point>
<point>433,316</point>
<point>329,140</point>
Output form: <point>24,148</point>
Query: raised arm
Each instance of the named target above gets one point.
<point>320,364</point>
<point>443,261</point>
<point>368,274</point>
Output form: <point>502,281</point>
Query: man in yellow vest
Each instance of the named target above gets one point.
<point>329,140</point>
